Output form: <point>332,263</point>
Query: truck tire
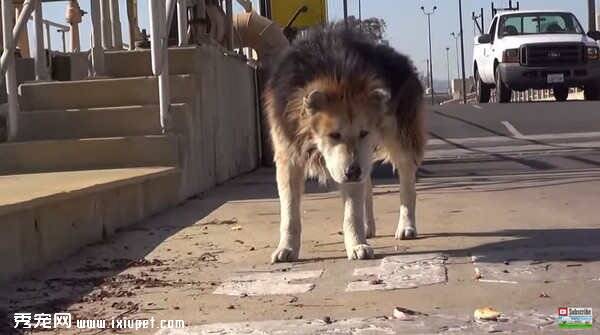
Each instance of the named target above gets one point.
<point>503,92</point>
<point>483,90</point>
<point>561,93</point>
<point>591,92</point>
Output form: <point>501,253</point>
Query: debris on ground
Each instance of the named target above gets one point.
<point>326,319</point>
<point>375,282</point>
<point>486,314</point>
<point>398,314</point>
<point>405,314</point>
<point>235,228</point>
<point>220,222</point>
<point>544,295</point>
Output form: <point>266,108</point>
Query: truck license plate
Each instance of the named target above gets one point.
<point>556,78</point>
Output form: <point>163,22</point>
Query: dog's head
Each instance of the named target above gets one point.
<point>345,126</point>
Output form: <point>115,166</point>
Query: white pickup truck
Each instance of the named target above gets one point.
<point>536,49</point>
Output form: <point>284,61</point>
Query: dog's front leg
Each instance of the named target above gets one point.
<point>407,170</point>
<point>355,241</point>
<point>290,184</point>
<point>370,216</point>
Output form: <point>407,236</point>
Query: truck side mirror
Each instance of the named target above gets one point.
<point>594,34</point>
<point>484,39</point>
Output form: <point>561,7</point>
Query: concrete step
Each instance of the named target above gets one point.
<point>94,122</point>
<point>45,217</point>
<point>124,63</point>
<point>101,93</point>
<point>83,154</point>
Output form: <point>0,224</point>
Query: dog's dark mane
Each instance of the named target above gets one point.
<point>341,53</point>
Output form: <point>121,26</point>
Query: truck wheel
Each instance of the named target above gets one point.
<point>483,90</point>
<point>561,93</point>
<point>591,92</point>
<point>503,92</point>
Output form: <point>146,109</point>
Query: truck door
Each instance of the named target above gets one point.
<point>487,70</point>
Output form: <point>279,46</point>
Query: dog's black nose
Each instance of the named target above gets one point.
<point>353,172</point>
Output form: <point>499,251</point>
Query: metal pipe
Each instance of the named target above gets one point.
<point>346,13</point>
<point>28,8</point>
<point>8,16</point>
<point>64,42</point>
<point>448,63</point>
<point>115,20</point>
<point>41,70</point>
<point>105,24</point>
<point>182,22</point>
<point>428,14</point>
<point>462,51</point>
<point>48,39</point>
<point>229,5</point>
<point>159,52</point>
<point>97,52</point>
<point>170,14</point>
<point>592,15</point>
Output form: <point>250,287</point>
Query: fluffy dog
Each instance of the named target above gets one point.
<point>336,102</point>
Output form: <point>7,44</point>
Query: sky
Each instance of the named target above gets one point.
<point>406,24</point>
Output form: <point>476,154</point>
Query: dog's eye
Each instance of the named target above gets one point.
<point>335,136</point>
<point>363,133</point>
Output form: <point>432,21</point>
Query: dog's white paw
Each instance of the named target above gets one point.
<point>361,251</point>
<point>284,255</point>
<point>406,233</point>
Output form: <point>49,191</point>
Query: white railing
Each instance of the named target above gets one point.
<point>106,34</point>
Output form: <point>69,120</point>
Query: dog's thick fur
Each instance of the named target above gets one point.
<point>336,102</point>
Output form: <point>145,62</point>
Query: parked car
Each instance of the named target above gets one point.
<point>539,50</point>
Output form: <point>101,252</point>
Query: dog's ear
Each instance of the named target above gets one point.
<point>315,101</point>
<point>380,95</point>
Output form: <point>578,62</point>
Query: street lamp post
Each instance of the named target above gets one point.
<point>456,36</point>
<point>428,14</point>
<point>448,63</point>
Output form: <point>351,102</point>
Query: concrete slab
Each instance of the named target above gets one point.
<point>268,283</point>
<point>398,272</point>
<point>557,264</point>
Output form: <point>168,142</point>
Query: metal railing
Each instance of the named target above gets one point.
<point>106,34</point>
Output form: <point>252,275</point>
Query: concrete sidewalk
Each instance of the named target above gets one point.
<point>534,239</point>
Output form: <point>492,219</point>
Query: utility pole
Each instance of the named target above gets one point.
<point>456,36</point>
<point>346,13</point>
<point>428,14</point>
<point>448,63</point>
<point>462,52</point>
<point>360,11</point>
<point>592,15</point>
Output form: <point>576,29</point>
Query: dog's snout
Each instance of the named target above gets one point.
<point>353,172</point>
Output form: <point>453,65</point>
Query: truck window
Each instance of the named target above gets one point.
<point>539,23</point>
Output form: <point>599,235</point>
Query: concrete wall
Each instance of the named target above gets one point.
<point>221,137</point>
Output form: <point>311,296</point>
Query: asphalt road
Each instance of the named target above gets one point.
<point>499,139</point>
